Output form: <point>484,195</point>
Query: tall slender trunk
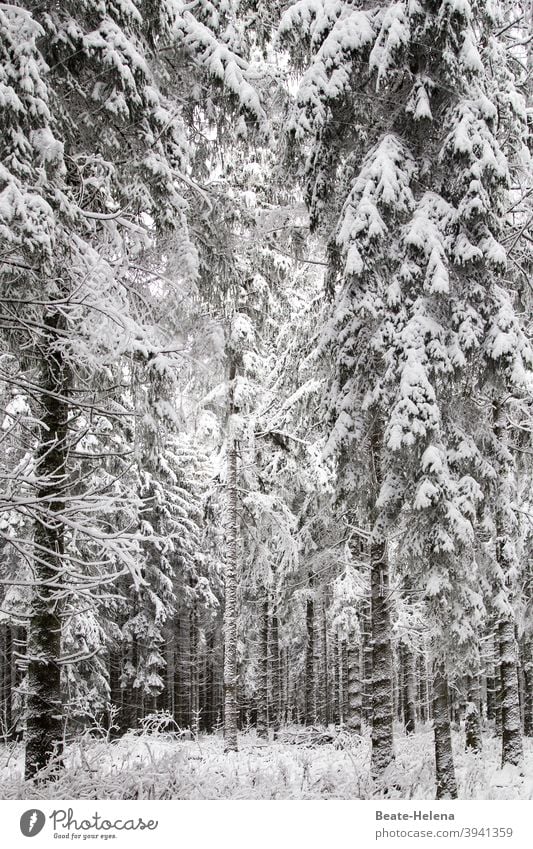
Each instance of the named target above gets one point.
<point>7,683</point>
<point>284,685</point>
<point>170,672</point>
<point>512,751</point>
<point>367,664</point>
<point>195,672</point>
<point>324,698</point>
<point>230,583</point>
<point>382,706</point>
<point>409,688</point>
<point>210,708</point>
<point>262,670</point>
<point>310,707</point>
<point>182,679</point>
<point>43,700</point>
<point>397,686</point>
<point>115,690</point>
<point>444,765</point>
<point>339,679</point>
<point>382,671</point>
<point>275,668</point>
<point>497,691</point>
<point>492,690</point>
<point>423,690</point>
<point>344,705</point>
<point>473,739</point>
<point>528,687</point>
<point>131,696</point>
<point>354,687</point>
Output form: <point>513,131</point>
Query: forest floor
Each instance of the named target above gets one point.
<point>161,766</point>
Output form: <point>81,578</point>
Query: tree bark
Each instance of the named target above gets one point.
<point>528,687</point>
<point>344,656</point>
<point>473,739</point>
<point>230,584</point>
<point>43,701</point>
<point>382,669</point>
<point>275,668</point>
<point>323,667</point>
<point>382,706</point>
<point>512,751</point>
<point>424,711</point>
<point>262,671</point>
<point>491,696</point>
<point>354,688</point>
<point>310,706</point>
<point>444,765</point>
<point>195,672</point>
<point>367,664</point>
<point>409,689</point>
<point>335,678</point>
<point>7,728</point>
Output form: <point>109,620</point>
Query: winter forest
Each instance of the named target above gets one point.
<point>266,399</point>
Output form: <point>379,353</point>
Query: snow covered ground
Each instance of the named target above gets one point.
<point>159,766</point>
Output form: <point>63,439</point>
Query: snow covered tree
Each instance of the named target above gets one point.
<point>398,108</point>
<point>83,161</point>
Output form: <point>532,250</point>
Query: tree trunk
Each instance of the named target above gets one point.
<point>182,673</point>
<point>344,705</point>
<point>262,671</point>
<point>170,672</point>
<point>195,673</point>
<point>7,683</point>
<point>444,765</point>
<point>491,695</point>
<point>512,752</point>
<point>473,718</point>
<point>409,689</point>
<point>354,688</point>
<point>285,685</point>
<point>116,692</point>
<point>367,664</point>
<point>528,687</point>
<point>336,676</point>
<point>43,701</point>
<point>423,690</point>
<point>131,699</point>
<point>275,668</point>
<point>323,668</point>
<point>382,706</point>
<point>230,584</point>
<point>310,708</point>
<point>497,686</point>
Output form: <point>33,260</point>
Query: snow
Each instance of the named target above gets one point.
<point>460,8</point>
<point>220,61</point>
<point>46,147</point>
<point>432,459</point>
<point>415,414</point>
<point>310,15</point>
<point>337,34</point>
<point>392,40</point>
<point>427,494</point>
<point>382,183</point>
<point>163,766</point>
<point>418,104</point>
<point>469,55</point>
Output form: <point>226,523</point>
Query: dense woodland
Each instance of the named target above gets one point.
<point>266,373</point>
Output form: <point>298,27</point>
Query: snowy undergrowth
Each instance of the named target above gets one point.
<point>159,766</point>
